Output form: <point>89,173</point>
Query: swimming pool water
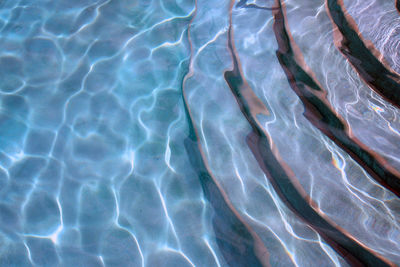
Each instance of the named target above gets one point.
<point>196,133</point>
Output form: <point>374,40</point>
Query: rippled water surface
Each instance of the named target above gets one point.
<point>199,133</point>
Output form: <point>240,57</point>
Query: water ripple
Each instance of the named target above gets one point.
<point>122,144</point>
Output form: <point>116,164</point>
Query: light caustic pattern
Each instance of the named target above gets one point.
<point>122,142</point>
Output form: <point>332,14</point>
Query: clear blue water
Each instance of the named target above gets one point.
<point>96,163</point>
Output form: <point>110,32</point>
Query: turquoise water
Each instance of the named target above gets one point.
<point>122,144</point>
